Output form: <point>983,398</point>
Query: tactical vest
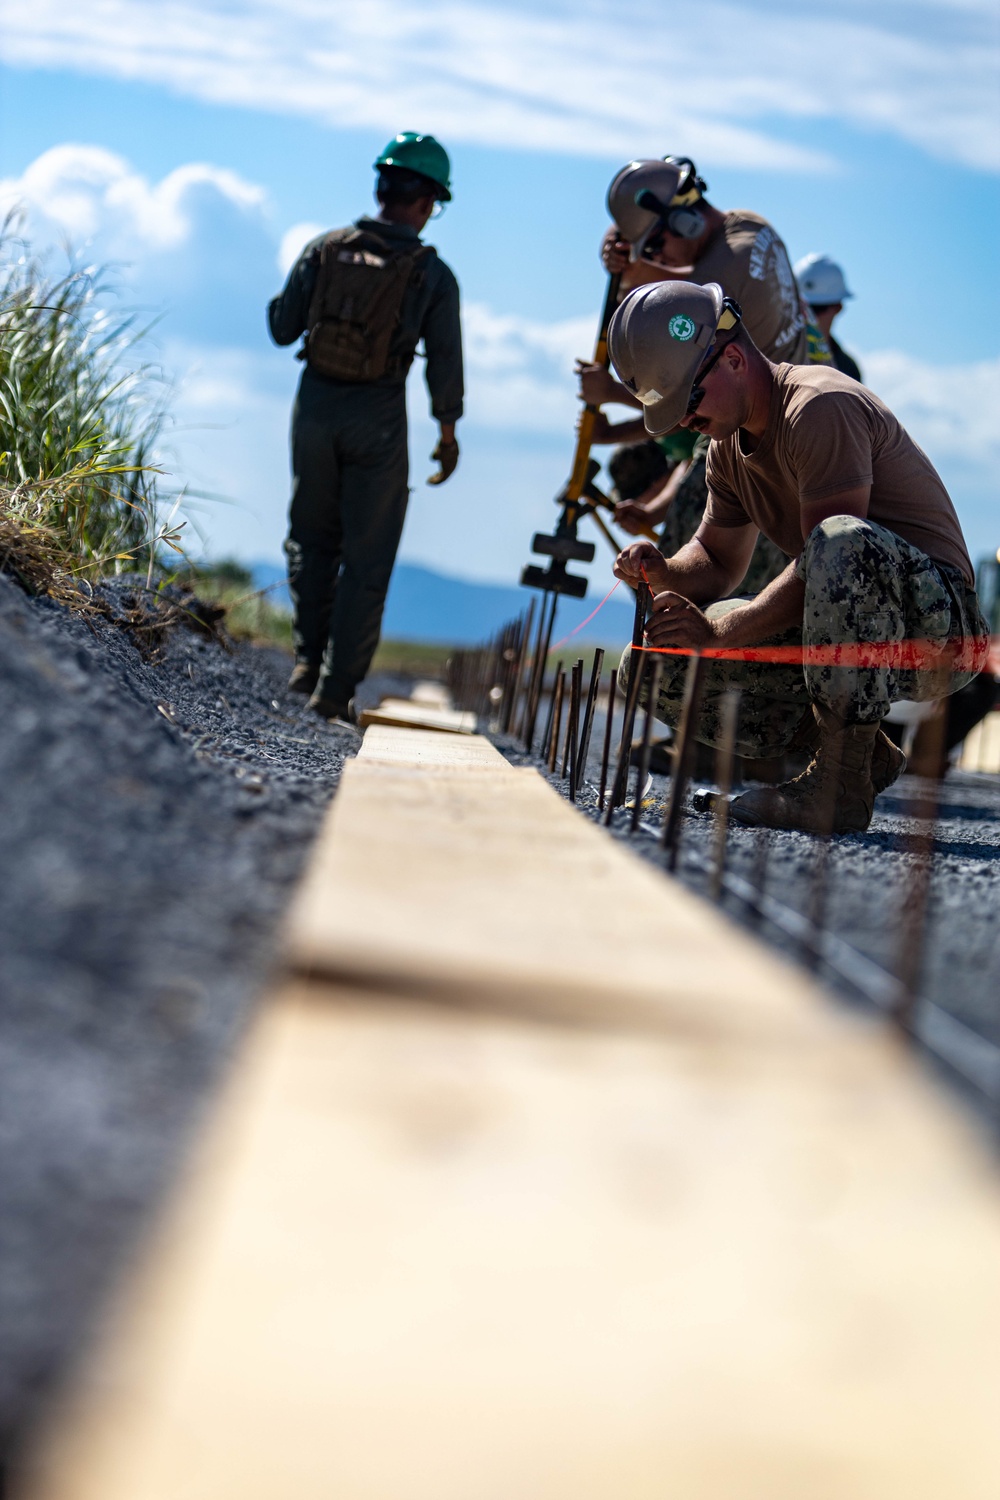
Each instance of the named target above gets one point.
<point>356,304</point>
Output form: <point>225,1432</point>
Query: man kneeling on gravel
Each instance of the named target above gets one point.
<point>821,467</point>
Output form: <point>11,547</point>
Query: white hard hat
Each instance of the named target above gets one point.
<point>821,280</point>
<point>658,340</point>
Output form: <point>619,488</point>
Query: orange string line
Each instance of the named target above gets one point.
<point>962,654</point>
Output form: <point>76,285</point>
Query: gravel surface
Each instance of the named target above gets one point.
<point>155,818</point>
<point>156,815</point>
<point>869,884</point>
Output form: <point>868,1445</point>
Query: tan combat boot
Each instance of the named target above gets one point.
<point>835,794</point>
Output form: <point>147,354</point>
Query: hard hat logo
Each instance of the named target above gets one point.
<point>658,341</point>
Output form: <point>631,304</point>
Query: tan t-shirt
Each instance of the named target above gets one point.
<point>825,432</point>
<point>750,263</point>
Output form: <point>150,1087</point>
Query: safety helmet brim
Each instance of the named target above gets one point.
<point>637,224</point>
<point>657,342</point>
<point>421,154</point>
<point>821,280</point>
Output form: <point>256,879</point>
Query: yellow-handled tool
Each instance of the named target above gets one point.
<point>580,475</point>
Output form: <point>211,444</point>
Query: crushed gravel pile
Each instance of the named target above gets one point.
<point>156,814</point>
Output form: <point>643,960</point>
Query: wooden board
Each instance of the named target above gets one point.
<point>492,888</point>
<point>391,745</point>
<point>981,750</point>
<point>429,1254</point>
<point>435,694</point>
<point>408,715</point>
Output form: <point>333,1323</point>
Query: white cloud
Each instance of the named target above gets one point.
<point>519,373</point>
<point>84,190</point>
<point>716,80</point>
<point>951,410</point>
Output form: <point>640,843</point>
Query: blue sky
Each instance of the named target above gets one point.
<point>198,145</point>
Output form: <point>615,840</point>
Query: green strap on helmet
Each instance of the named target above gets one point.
<point>419,153</point>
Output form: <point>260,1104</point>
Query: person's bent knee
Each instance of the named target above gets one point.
<point>834,535</point>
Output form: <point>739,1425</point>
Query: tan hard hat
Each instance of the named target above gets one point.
<point>657,341</point>
<point>658,178</point>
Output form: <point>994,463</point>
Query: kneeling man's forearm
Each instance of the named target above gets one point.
<point>678,622</point>
<point>774,609</point>
<point>692,571</point>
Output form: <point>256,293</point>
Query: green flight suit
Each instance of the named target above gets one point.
<point>350,465</point>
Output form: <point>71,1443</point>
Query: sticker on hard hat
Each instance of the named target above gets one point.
<point>681,328</point>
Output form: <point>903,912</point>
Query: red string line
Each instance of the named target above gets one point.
<point>962,654</point>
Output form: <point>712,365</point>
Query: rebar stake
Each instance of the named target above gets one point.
<point>588,716</point>
<point>517,676</point>
<point>573,737</point>
<point>758,876</point>
<point>574,690</point>
<point>725,756</point>
<point>653,675</point>
<point>543,749</point>
<point>608,723</point>
<point>682,757</point>
<point>557,703</point>
<point>546,620</point>
<point>620,782</point>
<point>910,963</point>
<point>636,664</point>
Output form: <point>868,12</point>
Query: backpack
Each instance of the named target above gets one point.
<point>355,306</point>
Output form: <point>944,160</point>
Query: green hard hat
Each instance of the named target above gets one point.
<point>419,153</point>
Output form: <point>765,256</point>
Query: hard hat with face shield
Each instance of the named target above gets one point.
<point>663,338</point>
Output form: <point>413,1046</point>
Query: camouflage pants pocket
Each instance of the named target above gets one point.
<point>867,586</point>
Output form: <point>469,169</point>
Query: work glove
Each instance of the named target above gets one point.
<point>445,454</point>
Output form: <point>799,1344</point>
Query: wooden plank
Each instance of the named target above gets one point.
<point>496,889</point>
<point>435,694</point>
<point>407,715</point>
<point>392,745</point>
<point>432,1255</point>
<point>981,750</point>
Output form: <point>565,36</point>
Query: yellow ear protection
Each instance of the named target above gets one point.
<point>684,218</point>
<point>726,329</point>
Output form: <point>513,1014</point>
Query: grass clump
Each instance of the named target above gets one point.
<point>251,614</point>
<point>80,414</point>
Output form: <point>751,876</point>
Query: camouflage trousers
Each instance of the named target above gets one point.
<point>685,516</point>
<point>863,583</point>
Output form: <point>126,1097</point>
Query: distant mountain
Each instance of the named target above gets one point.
<point>428,606</point>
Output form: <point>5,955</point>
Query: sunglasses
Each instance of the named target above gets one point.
<point>698,390</point>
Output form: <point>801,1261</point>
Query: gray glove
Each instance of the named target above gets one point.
<point>445,454</point>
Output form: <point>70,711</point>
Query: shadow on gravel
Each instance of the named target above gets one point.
<point>155,816</point>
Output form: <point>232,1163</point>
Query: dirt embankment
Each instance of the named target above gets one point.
<point>155,814</point>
